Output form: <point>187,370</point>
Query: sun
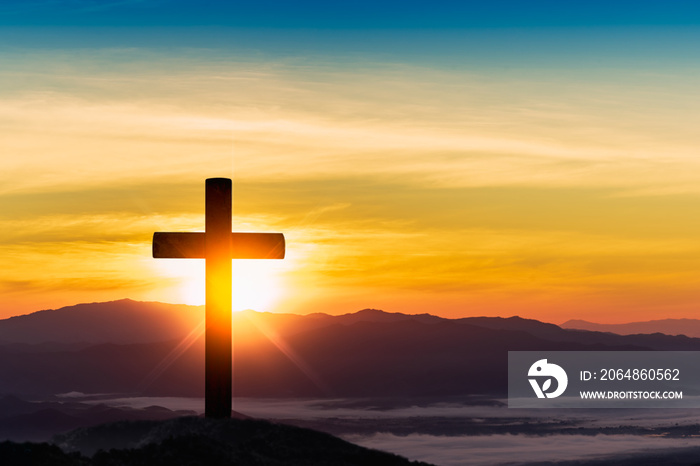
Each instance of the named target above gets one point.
<point>256,284</point>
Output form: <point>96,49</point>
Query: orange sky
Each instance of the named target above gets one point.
<point>550,190</point>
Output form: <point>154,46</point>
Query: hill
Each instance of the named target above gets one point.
<point>192,440</point>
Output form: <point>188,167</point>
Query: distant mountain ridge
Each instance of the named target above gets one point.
<point>122,321</point>
<point>22,420</point>
<point>687,327</point>
<point>127,321</point>
<point>156,349</point>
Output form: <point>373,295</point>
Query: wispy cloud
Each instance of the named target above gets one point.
<point>462,130</point>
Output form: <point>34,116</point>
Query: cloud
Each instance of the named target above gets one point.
<point>513,449</point>
<point>469,450</point>
<point>141,111</point>
<point>522,190</point>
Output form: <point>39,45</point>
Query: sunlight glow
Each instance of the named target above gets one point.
<point>257,284</point>
<point>288,351</point>
<point>173,356</point>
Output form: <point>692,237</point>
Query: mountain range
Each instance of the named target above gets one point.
<point>687,327</point>
<point>155,349</point>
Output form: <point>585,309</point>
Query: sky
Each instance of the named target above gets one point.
<point>458,158</point>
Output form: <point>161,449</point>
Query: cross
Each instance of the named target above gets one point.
<point>218,245</point>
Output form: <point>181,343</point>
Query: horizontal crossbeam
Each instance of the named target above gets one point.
<point>192,245</point>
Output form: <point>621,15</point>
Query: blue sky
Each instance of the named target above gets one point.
<point>355,15</point>
<point>447,34</point>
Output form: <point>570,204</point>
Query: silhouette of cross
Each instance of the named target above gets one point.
<point>218,245</point>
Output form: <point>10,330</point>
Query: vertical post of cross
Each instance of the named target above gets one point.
<point>217,385</point>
